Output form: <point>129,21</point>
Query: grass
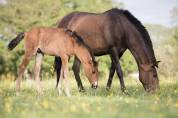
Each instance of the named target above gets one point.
<point>92,103</point>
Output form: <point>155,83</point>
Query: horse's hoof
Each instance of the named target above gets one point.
<point>125,92</point>
<point>108,88</point>
<point>17,93</point>
<point>81,90</point>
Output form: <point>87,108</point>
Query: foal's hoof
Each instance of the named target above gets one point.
<point>17,93</point>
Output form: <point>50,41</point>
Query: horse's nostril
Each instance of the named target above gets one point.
<point>94,86</point>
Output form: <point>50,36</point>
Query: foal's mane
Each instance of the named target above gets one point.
<point>143,31</point>
<point>80,41</point>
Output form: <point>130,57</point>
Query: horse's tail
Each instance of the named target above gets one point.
<point>16,41</point>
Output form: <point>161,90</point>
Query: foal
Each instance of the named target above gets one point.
<point>54,42</point>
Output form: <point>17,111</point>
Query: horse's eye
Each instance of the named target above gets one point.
<point>93,72</point>
<point>154,75</point>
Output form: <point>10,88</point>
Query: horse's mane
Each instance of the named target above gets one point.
<point>80,41</point>
<point>143,31</point>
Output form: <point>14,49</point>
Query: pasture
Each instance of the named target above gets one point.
<point>92,103</point>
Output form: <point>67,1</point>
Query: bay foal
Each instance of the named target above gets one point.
<point>54,42</point>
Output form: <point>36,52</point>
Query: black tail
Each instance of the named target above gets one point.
<point>15,41</point>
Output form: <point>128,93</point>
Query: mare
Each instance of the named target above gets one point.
<point>55,42</point>
<point>113,32</point>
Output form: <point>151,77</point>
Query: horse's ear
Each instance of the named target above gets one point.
<point>157,62</point>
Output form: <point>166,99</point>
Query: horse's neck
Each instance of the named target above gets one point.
<point>139,50</point>
<point>82,53</point>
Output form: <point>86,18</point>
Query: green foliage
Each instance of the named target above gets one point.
<point>128,63</point>
<point>20,15</point>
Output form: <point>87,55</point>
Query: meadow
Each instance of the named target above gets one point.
<point>91,103</point>
<point>20,15</point>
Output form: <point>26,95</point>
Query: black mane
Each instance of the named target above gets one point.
<point>143,32</point>
<point>139,26</point>
<point>80,41</point>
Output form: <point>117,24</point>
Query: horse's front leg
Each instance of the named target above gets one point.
<point>58,65</point>
<point>65,72</point>
<point>115,59</point>
<point>111,74</point>
<point>76,70</point>
<point>37,68</point>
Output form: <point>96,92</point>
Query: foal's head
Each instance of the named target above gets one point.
<point>86,56</point>
<point>148,77</point>
<point>92,74</point>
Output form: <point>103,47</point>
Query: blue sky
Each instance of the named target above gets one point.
<point>151,11</point>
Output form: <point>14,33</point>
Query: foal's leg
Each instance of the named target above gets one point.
<point>76,69</point>
<point>115,58</point>
<point>63,77</point>
<point>65,73</point>
<point>111,74</point>
<point>37,68</point>
<point>22,68</point>
<point>60,82</point>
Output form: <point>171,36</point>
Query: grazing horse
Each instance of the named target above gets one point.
<point>55,42</point>
<point>113,32</point>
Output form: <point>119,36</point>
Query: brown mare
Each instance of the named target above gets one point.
<point>54,42</point>
<point>113,32</point>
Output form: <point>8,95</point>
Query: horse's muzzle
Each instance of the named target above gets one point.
<point>95,85</point>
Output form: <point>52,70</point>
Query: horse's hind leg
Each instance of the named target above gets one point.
<point>37,68</point>
<point>22,68</point>
<point>76,70</point>
<point>58,64</point>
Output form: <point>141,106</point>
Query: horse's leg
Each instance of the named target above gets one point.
<point>22,68</point>
<point>58,64</point>
<point>59,87</point>
<point>37,68</point>
<point>111,74</point>
<point>65,73</point>
<point>76,70</point>
<point>115,58</point>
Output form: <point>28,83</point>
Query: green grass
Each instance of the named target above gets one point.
<point>97,104</point>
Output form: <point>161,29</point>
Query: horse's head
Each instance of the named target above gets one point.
<point>148,77</point>
<point>92,74</point>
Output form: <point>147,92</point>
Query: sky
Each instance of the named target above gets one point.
<point>151,11</point>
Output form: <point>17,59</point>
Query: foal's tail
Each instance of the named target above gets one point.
<point>16,41</point>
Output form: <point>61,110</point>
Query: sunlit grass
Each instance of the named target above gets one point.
<point>92,103</point>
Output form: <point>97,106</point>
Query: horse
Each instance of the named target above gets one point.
<point>113,32</point>
<point>55,42</point>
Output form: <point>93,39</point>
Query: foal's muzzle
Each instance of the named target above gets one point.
<point>95,85</point>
